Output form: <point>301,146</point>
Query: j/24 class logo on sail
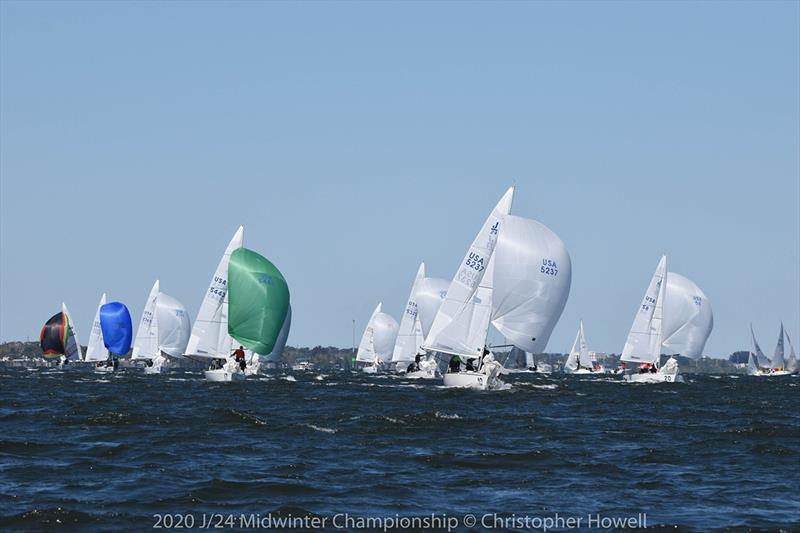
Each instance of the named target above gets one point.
<point>549,267</point>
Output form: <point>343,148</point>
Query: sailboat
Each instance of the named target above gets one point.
<point>532,279</point>
<point>163,332</point>
<point>580,359</point>
<point>760,365</point>
<point>408,355</point>
<point>209,338</point>
<point>643,346</point>
<point>58,338</point>
<point>116,330</point>
<point>461,325</point>
<point>377,342</point>
<point>791,361</point>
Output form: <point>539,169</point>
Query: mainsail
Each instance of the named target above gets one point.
<point>209,332</point>
<point>145,345</point>
<point>431,292</point>
<point>409,334</point>
<point>462,323</point>
<point>96,349</point>
<point>532,278</point>
<point>258,300</point>
<point>117,328</point>
<point>366,348</point>
<point>791,361</point>
<point>688,319</point>
<point>777,359</point>
<point>761,359</point>
<point>645,337</point>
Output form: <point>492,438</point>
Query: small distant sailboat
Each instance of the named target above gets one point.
<point>163,332</point>
<point>461,325</point>
<point>377,342</point>
<point>58,339</point>
<point>408,356</point>
<point>580,360</point>
<point>760,365</point>
<point>643,346</point>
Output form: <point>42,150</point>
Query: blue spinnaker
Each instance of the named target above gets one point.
<point>115,321</point>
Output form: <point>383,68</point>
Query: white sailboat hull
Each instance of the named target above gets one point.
<point>657,377</point>
<point>222,374</point>
<point>156,369</point>
<point>372,369</point>
<point>473,380</point>
<point>768,374</point>
<point>103,369</point>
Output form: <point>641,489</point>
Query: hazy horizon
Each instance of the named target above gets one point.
<point>354,140</point>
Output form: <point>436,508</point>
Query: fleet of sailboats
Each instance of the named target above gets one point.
<point>514,278</point>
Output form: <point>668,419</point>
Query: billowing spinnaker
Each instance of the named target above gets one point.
<point>644,339</point>
<point>283,336</point>
<point>461,325</point>
<point>761,359</point>
<point>174,325</point>
<point>532,277</point>
<point>96,349</point>
<point>209,332</point>
<point>409,334</point>
<point>366,348</point>
<point>431,292</point>
<point>688,319</point>
<point>145,345</point>
<point>115,321</point>
<point>384,336</point>
<point>53,337</point>
<point>777,358</point>
<point>258,300</point>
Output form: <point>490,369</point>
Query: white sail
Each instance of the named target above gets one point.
<point>645,337</point>
<point>461,325</point>
<point>688,319</point>
<point>431,292</point>
<point>145,345</point>
<point>777,359</point>
<point>761,359</point>
<point>280,342</point>
<point>791,361</point>
<point>585,357</point>
<point>73,350</point>
<point>173,326</point>
<point>574,354</point>
<point>410,332</point>
<point>209,336</point>
<point>384,335</point>
<point>96,349</point>
<point>366,348</point>
<point>532,278</point>
<point>752,367</point>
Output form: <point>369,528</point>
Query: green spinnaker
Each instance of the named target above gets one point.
<point>258,300</point>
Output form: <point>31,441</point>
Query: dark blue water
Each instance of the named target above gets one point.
<point>80,451</point>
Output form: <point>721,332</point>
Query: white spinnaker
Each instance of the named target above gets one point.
<point>777,359</point>
<point>409,332</point>
<point>431,292</point>
<point>761,359</point>
<point>280,342</point>
<point>174,326</point>
<point>384,335</point>
<point>208,333</point>
<point>366,348</point>
<point>645,337</point>
<point>462,322</point>
<point>791,361</point>
<point>532,278</point>
<point>145,345</point>
<point>688,319</point>
<point>73,348</point>
<point>96,349</point>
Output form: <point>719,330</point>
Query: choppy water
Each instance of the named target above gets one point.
<point>84,451</point>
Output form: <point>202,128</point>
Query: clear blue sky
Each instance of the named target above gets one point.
<point>355,139</point>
